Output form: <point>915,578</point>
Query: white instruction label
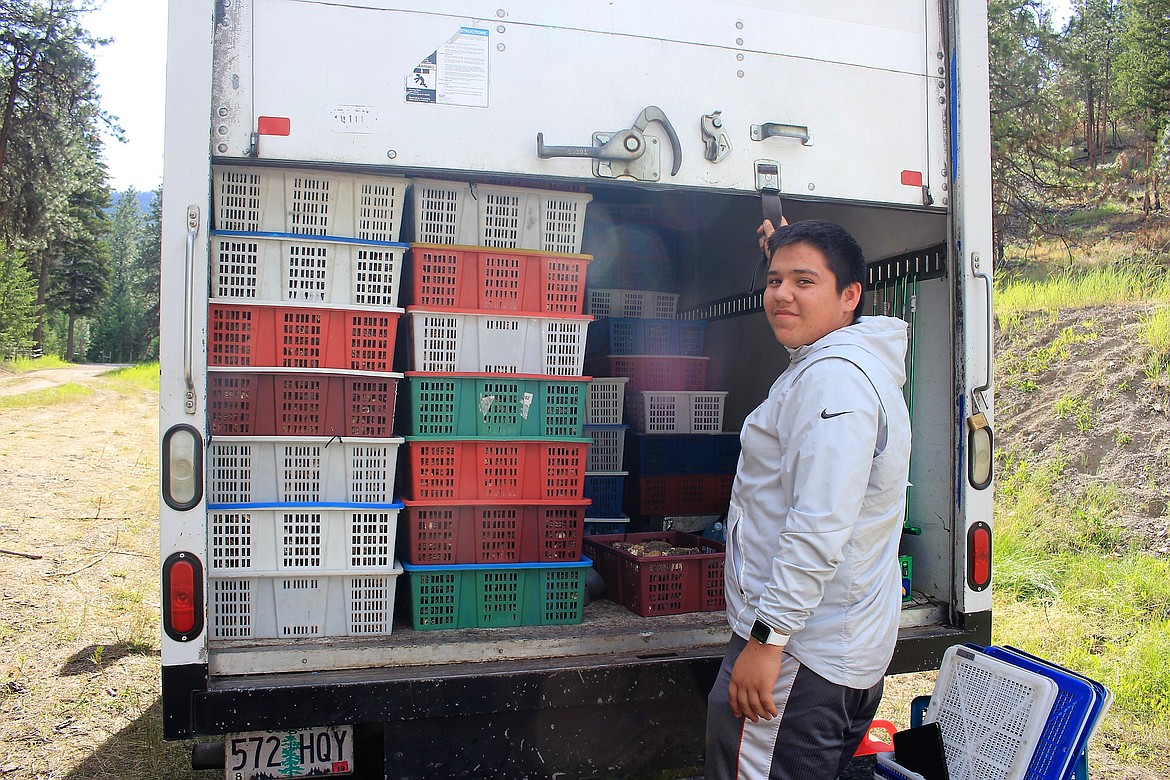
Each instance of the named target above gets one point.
<point>455,74</point>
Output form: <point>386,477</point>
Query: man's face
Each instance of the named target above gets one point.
<point>801,300</point>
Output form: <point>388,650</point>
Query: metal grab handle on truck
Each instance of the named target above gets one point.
<point>189,307</point>
<point>977,271</point>
<point>779,129</point>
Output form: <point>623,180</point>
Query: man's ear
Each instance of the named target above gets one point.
<point>850,296</point>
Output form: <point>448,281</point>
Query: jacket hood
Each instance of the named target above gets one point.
<point>886,338</point>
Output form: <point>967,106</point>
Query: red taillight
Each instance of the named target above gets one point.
<point>979,556</point>
<point>182,596</point>
<point>182,602</point>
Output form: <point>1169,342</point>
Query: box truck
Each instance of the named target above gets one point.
<point>313,148</point>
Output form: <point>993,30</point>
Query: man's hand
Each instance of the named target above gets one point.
<point>753,678</point>
<point>766,229</point>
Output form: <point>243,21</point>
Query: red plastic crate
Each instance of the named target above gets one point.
<point>653,372</point>
<point>690,494</point>
<point>666,585</point>
<point>496,470</point>
<point>301,404</point>
<point>494,533</point>
<point>448,277</point>
<point>300,337</point>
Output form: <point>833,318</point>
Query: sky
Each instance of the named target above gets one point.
<point>132,82</point>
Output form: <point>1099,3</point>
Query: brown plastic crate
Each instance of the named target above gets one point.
<point>667,585</point>
<point>446,534</point>
<point>301,404</point>
<point>690,494</point>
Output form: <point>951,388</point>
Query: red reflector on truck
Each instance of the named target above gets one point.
<point>979,556</point>
<point>909,178</point>
<point>182,596</point>
<point>273,125</point>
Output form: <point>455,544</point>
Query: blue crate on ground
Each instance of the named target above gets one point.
<point>605,490</point>
<point>683,453</point>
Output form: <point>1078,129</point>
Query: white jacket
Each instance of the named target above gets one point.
<point>819,498</point>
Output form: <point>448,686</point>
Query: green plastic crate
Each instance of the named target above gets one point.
<point>531,594</point>
<point>503,405</point>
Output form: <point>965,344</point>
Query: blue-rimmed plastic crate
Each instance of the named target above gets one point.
<point>608,448</point>
<point>606,491</point>
<point>464,405</point>
<point>526,594</point>
<point>684,453</point>
<point>636,336</point>
<point>1079,702</point>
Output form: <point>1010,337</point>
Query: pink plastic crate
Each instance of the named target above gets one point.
<point>653,372</point>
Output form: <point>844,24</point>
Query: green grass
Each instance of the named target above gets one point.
<point>1072,586</point>
<point>52,395</point>
<point>143,375</point>
<point>1077,288</point>
<point>1156,333</point>
<point>21,365</point>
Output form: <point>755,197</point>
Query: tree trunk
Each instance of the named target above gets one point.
<point>42,296</point>
<point>1090,126</point>
<point>9,113</point>
<point>69,339</point>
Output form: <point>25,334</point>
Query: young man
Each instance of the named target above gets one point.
<point>812,578</point>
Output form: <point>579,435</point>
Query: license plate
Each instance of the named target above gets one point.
<point>320,750</point>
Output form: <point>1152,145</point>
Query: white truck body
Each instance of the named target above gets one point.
<point>873,115</point>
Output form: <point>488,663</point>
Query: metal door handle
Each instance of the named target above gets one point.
<point>770,129</point>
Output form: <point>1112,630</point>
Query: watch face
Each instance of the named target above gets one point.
<point>761,632</point>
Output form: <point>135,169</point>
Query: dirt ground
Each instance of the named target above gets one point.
<point>1119,436</point>
<point>79,663</point>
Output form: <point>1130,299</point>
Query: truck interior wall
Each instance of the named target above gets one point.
<point>705,250</point>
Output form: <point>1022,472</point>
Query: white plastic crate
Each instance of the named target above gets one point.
<point>497,344</point>
<point>279,469</point>
<point>299,538</point>
<point>606,402</point>
<point>308,270</point>
<point>607,451</point>
<point>991,714</point>
<point>676,411</point>
<point>645,304</point>
<point>287,607</point>
<point>453,212</point>
<point>306,202</point>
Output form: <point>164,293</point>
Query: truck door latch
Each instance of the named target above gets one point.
<point>716,144</point>
<point>625,152</point>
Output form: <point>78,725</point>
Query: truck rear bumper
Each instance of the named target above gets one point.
<point>566,717</point>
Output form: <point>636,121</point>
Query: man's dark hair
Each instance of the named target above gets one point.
<point>841,251</point>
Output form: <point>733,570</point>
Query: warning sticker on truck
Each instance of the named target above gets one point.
<point>455,74</point>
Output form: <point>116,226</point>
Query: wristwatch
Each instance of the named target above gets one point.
<point>766,635</point>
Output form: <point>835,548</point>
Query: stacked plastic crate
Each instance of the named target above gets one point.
<point>495,453</point>
<point>681,462</point>
<point>604,478</point>
<point>305,269</point>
